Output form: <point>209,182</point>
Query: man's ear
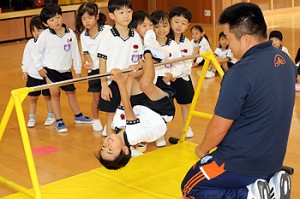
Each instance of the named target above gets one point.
<point>112,16</point>
<point>125,149</point>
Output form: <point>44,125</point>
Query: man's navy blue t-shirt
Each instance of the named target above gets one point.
<point>258,93</point>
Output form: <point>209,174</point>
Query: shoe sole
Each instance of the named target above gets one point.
<point>62,130</point>
<point>81,122</point>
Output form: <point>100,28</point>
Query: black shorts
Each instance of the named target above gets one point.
<point>94,84</point>
<point>111,106</point>
<point>184,90</point>
<point>37,82</point>
<point>56,76</point>
<point>164,106</point>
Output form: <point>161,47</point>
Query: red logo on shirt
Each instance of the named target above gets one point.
<point>135,46</point>
<point>278,60</point>
<point>184,50</point>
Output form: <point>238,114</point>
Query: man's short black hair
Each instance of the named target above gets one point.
<point>244,18</point>
<point>180,11</point>
<point>118,4</point>
<point>138,17</point>
<point>50,11</point>
<point>276,34</point>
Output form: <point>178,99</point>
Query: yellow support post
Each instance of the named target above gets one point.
<point>208,57</point>
<point>17,97</point>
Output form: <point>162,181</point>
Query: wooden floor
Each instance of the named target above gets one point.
<point>77,147</point>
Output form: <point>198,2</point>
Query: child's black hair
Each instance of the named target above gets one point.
<point>116,164</point>
<point>50,11</point>
<point>92,9</point>
<point>138,17</point>
<point>179,11</point>
<point>36,22</point>
<point>198,27</point>
<point>159,15</point>
<point>276,34</point>
<point>118,4</point>
<point>222,34</point>
<point>297,58</point>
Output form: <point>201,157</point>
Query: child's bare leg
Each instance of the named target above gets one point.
<point>48,102</point>
<point>55,102</point>
<point>109,119</point>
<point>146,81</point>
<point>225,66</point>
<point>73,102</point>
<point>33,104</point>
<point>95,101</point>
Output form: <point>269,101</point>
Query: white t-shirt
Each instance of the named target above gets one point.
<point>90,44</point>
<point>225,54</point>
<point>148,127</point>
<point>203,47</point>
<point>57,53</point>
<point>284,49</point>
<point>174,52</point>
<point>120,53</point>
<point>186,49</point>
<point>27,61</point>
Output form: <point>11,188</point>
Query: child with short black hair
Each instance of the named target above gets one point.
<point>277,39</point>
<point>120,47</point>
<point>32,76</point>
<point>57,50</point>
<point>90,26</point>
<point>297,62</point>
<point>180,18</point>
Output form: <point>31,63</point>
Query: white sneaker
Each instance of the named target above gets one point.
<point>97,125</point>
<point>152,44</point>
<point>189,133</point>
<point>49,121</point>
<point>135,153</point>
<point>259,190</point>
<point>31,123</point>
<point>280,186</point>
<point>210,74</point>
<point>161,142</point>
<point>297,86</point>
<point>104,134</point>
<point>141,147</point>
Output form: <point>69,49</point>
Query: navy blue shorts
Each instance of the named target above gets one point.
<point>37,82</point>
<point>56,76</point>
<point>184,90</point>
<point>112,105</point>
<point>94,84</point>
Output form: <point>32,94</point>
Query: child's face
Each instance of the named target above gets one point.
<point>55,22</point>
<point>122,16</point>
<point>162,29</point>
<point>276,42</point>
<point>223,42</point>
<point>196,34</point>
<point>179,24</point>
<point>142,28</point>
<point>111,148</point>
<point>36,32</point>
<point>89,21</point>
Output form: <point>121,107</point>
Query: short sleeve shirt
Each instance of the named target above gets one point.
<point>258,93</point>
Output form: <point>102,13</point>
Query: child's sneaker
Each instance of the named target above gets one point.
<point>83,120</point>
<point>151,44</point>
<point>61,127</point>
<point>31,123</point>
<point>141,147</point>
<point>280,186</point>
<point>49,121</point>
<point>297,87</point>
<point>161,142</point>
<point>259,190</point>
<point>134,152</point>
<point>189,133</point>
<point>210,74</point>
<point>97,125</point>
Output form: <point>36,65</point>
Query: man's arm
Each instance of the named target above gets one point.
<point>215,132</point>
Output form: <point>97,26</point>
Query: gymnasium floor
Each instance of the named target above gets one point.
<point>71,171</point>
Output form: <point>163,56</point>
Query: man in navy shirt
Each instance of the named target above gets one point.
<point>251,121</point>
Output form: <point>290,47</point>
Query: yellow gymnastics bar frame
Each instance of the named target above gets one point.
<point>18,96</point>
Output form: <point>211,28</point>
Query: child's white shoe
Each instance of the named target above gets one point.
<point>189,133</point>
<point>49,121</point>
<point>31,123</point>
<point>161,142</point>
<point>104,134</point>
<point>97,125</point>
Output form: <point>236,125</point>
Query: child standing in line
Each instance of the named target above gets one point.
<point>277,39</point>
<point>180,19</point>
<point>32,76</point>
<point>223,53</point>
<point>120,47</point>
<point>297,62</point>
<point>90,26</point>
<point>170,72</point>
<point>200,43</point>
<point>57,50</point>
